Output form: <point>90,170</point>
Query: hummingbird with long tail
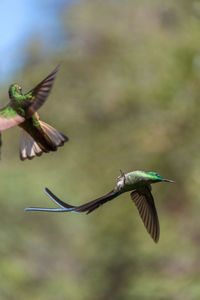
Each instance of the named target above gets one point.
<point>137,182</point>
<point>37,136</point>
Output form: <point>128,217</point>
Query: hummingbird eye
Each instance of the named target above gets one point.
<point>156,174</point>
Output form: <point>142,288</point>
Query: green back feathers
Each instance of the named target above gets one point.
<point>142,175</point>
<point>26,105</point>
<point>21,106</point>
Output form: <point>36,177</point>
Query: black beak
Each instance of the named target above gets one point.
<point>168,180</point>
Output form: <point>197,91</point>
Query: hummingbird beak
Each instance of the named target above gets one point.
<point>168,180</point>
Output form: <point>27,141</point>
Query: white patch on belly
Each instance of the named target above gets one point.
<point>120,183</point>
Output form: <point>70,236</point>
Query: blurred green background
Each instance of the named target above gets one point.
<point>127,95</point>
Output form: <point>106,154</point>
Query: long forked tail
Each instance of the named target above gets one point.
<point>65,207</point>
<point>41,140</point>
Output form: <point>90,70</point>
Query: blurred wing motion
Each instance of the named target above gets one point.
<point>9,118</point>
<point>40,93</point>
<point>144,201</point>
<point>65,207</point>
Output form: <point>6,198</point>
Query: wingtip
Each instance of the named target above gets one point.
<point>57,68</point>
<point>156,240</point>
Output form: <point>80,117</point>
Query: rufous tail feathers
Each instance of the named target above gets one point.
<point>45,140</point>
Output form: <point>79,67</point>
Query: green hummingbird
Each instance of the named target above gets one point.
<point>138,182</point>
<point>37,136</point>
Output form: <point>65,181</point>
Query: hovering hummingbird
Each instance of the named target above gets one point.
<point>37,136</point>
<point>138,182</point>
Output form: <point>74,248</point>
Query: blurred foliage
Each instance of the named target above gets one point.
<point>127,95</point>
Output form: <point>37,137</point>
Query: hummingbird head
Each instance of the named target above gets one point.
<point>155,177</point>
<point>14,89</point>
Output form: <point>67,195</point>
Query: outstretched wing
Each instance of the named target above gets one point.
<point>40,93</point>
<point>9,118</point>
<point>144,201</point>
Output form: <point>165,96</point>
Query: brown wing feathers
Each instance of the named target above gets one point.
<point>40,93</point>
<point>147,210</point>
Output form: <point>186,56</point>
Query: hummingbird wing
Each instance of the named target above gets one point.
<point>9,118</point>
<point>40,93</point>
<point>144,201</point>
